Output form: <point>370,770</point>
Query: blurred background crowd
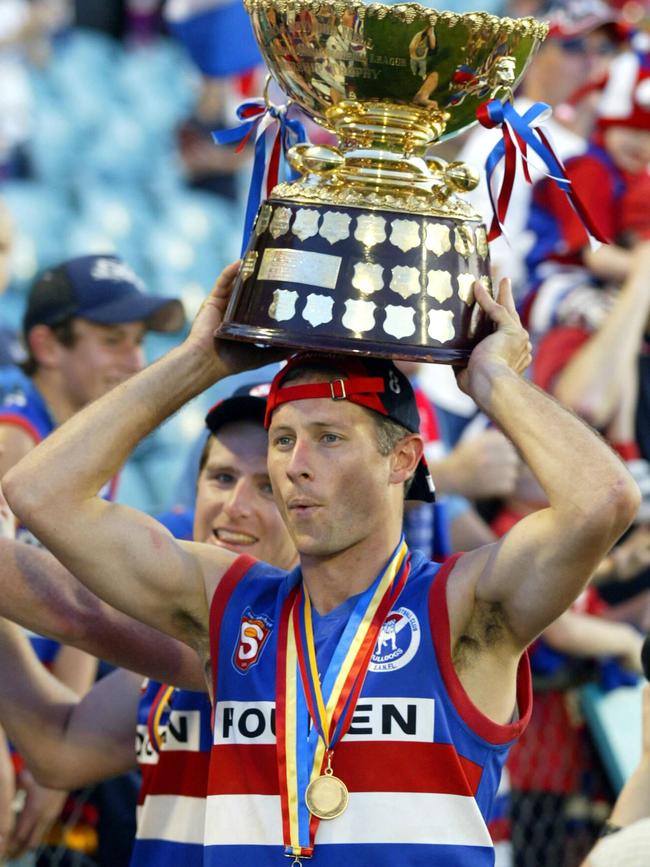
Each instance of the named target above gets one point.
<point>105,148</point>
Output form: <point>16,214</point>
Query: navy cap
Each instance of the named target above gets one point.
<point>102,289</point>
<point>247,403</point>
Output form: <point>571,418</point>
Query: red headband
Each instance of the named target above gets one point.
<point>363,390</point>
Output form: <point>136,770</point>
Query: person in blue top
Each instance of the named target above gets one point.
<point>83,327</point>
<point>291,725</point>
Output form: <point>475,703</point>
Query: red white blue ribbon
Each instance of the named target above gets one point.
<point>274,134</point>
<point>159,705</point>
<point>521,133</point>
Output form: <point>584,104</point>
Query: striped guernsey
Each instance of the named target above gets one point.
<point>422,764</point>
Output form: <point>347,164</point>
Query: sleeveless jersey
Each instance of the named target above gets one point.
<point>171,803</point>
<point>421,762</point>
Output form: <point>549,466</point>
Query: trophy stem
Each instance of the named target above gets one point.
<point>404,129</point>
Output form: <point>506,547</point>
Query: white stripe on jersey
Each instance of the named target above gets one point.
<point>397,817</point>
<point>174,818</point>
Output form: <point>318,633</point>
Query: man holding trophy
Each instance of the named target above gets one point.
<point>364,703</point>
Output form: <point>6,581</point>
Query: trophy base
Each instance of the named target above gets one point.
<point>347,346</point>
<point>361,280</point>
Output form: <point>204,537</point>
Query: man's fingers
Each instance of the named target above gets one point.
<point>506,298</point>
<point>225,279</point>
<point>494,310</point>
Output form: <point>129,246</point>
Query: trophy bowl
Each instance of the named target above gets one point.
<point>374,249</point>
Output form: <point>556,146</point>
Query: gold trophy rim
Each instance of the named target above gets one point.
<point>409,12</point>
<point>428,122</point>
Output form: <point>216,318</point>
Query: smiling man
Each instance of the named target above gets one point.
<point>324,744</point>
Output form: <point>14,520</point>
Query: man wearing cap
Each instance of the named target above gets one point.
<point>83,328</point>
<point>72,742</point>
<point>364,702</point>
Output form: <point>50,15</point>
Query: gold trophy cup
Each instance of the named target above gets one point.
<point>374,250</point>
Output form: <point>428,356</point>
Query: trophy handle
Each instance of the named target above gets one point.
<point>267,99</point>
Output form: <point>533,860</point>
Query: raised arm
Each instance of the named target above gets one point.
<point>534,572</point>
<point>42,595</point>
<point>124,556</point>
<point>66,741</point>
<point>590,384</point>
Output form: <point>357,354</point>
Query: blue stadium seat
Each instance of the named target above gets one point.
<point>158,83</point>
<point>41,218</point>
<point>12,307</point>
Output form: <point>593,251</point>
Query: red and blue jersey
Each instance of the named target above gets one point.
<point>23,406</point>
<point>173,741</point>
<point>421,762</point>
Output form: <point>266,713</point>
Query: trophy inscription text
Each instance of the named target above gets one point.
<point>300,266</point>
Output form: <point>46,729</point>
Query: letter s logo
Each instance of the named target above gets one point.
<point>250,638</point>
<point>253,632</point>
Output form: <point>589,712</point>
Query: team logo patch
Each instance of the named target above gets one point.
<point>398,641</point>
<point>253,632</point>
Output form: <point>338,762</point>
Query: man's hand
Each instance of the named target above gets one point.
<point>484,466</point>
<point>630,657</point>
<point>632,556</point>
<point>41,808</point>
<point>232,356</point>
<point>507,347</point>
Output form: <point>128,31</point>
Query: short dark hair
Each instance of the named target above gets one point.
<point>65,334</point>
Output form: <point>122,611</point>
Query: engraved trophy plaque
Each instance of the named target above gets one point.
<point>373,249</point>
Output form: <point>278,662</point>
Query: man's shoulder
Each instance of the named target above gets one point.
<point>22,405</point>
<point>224,570</point>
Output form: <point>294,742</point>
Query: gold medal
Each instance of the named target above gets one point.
<point>327,796</point>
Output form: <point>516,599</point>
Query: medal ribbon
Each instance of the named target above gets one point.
<point>521,133</point>
<point>259,117</point>
<point>330,707</point>
<point>158,706</point>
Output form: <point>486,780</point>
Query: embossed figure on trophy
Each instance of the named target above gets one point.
<point>482,82</point>
<point>421,46</point>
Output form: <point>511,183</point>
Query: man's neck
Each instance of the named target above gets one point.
<point>333,579</point>
<point>60,408</point>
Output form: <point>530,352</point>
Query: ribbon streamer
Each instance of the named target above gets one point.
<point>259,118</point>
<point>522,133</point>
